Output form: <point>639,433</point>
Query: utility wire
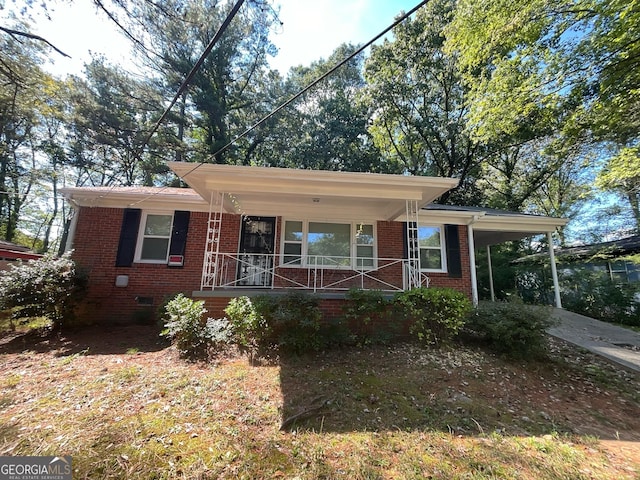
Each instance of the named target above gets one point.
<point>188,79</point>
<point>299,94</point>
<point>195,68</point>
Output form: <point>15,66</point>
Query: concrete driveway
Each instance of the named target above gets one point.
<point>618,344</point>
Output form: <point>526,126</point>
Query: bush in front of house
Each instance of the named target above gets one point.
<point>193,336</point>
<point>294,320</point>
<point>49,287</point>
<point>436,315</point>
<point>513,328</point>
<point>366,318</point>
<point>287,323</point>
<point>250,332</point>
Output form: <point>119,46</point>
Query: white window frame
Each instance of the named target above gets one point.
<point>141,237</point>
<point>353,245</point>
<point>443,250</point>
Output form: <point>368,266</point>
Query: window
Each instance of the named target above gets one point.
<point>329,245</point>
<point>364,246</point>
<point>155,236</point>
<point>292,243</point>
<point>430,242</point>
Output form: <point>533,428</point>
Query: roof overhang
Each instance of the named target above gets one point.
<point>492,227</point>
<point>152,198</point>
<point>491,230</point>
<point>317,194</point>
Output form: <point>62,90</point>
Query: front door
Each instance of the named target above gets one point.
<point>255,256</point>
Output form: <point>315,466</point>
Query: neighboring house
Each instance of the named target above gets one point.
<point>10,253</point>
<point>248,230</point>
<point>610,258</point>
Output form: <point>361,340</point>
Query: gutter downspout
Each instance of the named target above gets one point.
<point>554,271</point>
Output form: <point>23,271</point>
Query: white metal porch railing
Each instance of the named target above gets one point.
<point>312,272</point>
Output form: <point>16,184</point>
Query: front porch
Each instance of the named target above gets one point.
<point>321,274</point>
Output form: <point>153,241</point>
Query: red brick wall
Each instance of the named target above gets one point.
<point>390,245</point>
<point>96,243</point>
<point>95,247</point>
<point>462,284</point>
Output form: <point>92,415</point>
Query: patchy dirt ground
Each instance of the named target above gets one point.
<point>54,387</point>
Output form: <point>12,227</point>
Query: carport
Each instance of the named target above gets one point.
<point>489,227</point>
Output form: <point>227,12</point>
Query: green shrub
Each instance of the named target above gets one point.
<point>293,321</point>
<point>366,316</point>
<point>365,306</point>
<point>512,328</point>
<point>289,323</point>
<point>595,295</point>
<point>190,333</point>
<point>249,329</point>
<point>48,287</point>
<point>435,314</point>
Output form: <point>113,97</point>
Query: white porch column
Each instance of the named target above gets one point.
<point>493,293</point>
<point>472,266</point>
<point>554,271</point>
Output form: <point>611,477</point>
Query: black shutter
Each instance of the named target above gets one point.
<point>179,232</point>
<point>452,240</point>
<point>128,237</point>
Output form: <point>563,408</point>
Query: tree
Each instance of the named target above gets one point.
<point>112,115</point>
<point>572,64</point>
<point>420,103</point>
<point>20,98</point>
<point>511,176</point>
<point>621,174</point>
<point>16,30</point>
<point>223,98</point>
<point>326,128</point>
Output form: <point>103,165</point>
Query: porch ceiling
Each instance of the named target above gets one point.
<point>316,194</point>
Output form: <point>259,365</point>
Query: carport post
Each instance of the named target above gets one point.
<point>472,266</point>
<point>493,293</point>
<point>554,271</point>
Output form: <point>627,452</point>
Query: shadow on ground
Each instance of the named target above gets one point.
<point>91,340</point>
<point>464,391</point>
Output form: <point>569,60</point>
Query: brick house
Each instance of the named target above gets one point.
<point>249,230</point>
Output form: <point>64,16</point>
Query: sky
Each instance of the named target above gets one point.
<point>311,30</point>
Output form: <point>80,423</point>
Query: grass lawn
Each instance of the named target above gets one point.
<point>122,404</point>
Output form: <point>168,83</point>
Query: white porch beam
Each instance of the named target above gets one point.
<point>554,271</point>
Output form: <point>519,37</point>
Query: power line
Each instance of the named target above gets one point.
<point>300,93</point>
<point>189,77</point>
<point>195,68</point>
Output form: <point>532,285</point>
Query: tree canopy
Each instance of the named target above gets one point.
<point>528,104</point>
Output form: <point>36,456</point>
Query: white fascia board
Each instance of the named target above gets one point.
<point>426,217</point>
<point>241,179</point>
<point>143,200</point>
<point>520,223</point>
